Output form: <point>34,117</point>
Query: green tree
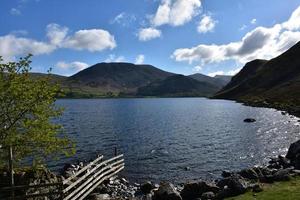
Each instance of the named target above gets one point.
<point>27,111</point>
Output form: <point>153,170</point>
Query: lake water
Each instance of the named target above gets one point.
<point>176,139</point>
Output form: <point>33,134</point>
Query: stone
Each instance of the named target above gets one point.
<point>282,175</point>
<point>249,174</point>
<point>226,174</point>
<point>249,120</point>
<point>146,187</point>
<point>166,191</point>
<point>257,188</point>
<point>100,197</point>
<point>235,185</point>
<point>194,189</point>
<point>208,196</point>
<point>293,151</point>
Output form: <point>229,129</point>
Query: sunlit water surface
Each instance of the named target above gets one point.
<point>176,139</point>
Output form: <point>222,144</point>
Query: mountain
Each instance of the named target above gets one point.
<point>219,81</point>
<point>275,82</point>
<point>178,85</point>
<point>113,79</point>
<point>225,79</point>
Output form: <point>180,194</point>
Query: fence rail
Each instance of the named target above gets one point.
<point>76,187</point>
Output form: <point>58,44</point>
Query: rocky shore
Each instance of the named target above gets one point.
<point>286,108</point>
<point>281,168</point>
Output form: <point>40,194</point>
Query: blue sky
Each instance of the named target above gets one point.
<point>181,36</point>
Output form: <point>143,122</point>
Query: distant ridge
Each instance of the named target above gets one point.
<point>219,81</point>
<point>275,82</point>
<point>178,85</point>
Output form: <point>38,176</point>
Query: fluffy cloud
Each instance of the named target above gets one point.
<point>91,40</point>
<point>206,24</point>
<point>76,65</point>
<point>11,46</point>
<point>146,34</point>
<point>114,58</point>
<point>176,12</point>
<point>56,34</point>
<point>140,59</point>
<point>261,42</point>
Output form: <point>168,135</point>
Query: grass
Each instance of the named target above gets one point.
<point>289,190</point>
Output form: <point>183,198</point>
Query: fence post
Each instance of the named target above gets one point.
<point>116,151</point>
<point>11,170</point>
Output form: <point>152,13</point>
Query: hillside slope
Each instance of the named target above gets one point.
<point>178,85</point>
<point>113,78</point>
<point>274,83</point>
<point>218,81</point>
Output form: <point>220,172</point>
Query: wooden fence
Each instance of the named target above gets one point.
<point>77,186</point>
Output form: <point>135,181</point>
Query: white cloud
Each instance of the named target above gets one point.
<point>253,21</point>
<point>262,42</point>
<point>175,12</point>
<point>197,68</point>
<point>140,59</point>
<point>91,40</point>
<point>124,19</point>
<point>11,46</point>
<point>213,74</point>
<point>15,11</point>
<point>228,73</point>
<point>74,66</point>
<point>114,58</point>
<point>56,34</point>
<point>206,24</point>
<point>146,34</point>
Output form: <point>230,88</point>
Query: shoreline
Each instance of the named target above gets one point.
<point>231,183</point>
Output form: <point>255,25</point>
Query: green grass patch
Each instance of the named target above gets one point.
<point>289,190</point>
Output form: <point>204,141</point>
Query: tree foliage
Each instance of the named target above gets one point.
<point>27,111</point>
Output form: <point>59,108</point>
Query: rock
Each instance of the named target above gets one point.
<point>249,174</point>
<point>208,196</point>
<point>234,185</point>
<point>282,175</point>
<point>166,191</point>
<point>296,162</point>
<point>257,188</point>
<point>293,151</point>
<point>226,174</point>
<point>249,120</point>
<point>147,187</point>
<point>99,197</point>
<point>194,190</point>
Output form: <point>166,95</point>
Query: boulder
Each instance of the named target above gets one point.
<point>147,187</point>
<point>282,175</point>
<point>194,190</point>
<point>166,191</point>
<point>249,174</point>
<point>232,186</point>
<point>249,120</point>
<point>293,151</point>
<point>257,188</point>
<point>226,174</point>
<point>208,196</point>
